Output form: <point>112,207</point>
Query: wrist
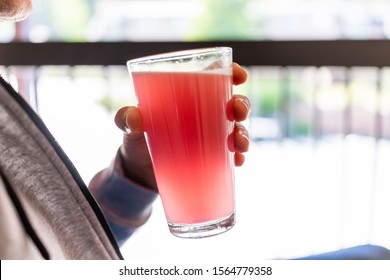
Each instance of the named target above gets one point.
<point>140,174</point>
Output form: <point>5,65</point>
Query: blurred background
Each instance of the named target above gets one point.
<point>316,176</point>
<point>159,20</point>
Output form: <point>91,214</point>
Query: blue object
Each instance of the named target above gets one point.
<point>362,252</point>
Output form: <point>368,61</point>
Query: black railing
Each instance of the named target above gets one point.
<point>345,53</point>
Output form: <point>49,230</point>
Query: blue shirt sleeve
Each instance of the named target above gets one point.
<point>126,204</point>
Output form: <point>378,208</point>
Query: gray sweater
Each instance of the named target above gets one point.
<point>45,210</point>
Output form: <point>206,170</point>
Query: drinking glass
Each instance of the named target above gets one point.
<point>183,97</point>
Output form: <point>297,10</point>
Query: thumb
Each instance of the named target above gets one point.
<point>129,120</point>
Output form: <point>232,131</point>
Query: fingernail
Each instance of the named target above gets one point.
<point>244,134</point>
<point>245,102</point>
<point>127,129</point>
<point>244,111</point>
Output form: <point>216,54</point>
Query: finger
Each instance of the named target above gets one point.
<point>239,74</point>
<point>239,159</point>
<point>134,120</point>
<point>241,138</point>
<point>120,118</point>
<point>129,120</point>
<point>238,108</point>
<point>241,107</point>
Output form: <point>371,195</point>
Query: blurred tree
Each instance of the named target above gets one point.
<point>223,20</point>
<point>64,20</point>
<point>69,19</point>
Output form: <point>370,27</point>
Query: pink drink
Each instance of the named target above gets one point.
<point>184,117</point>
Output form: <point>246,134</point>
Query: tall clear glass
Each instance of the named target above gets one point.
<point>183,97</point>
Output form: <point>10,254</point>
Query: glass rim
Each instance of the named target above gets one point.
<point>179,54</point>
